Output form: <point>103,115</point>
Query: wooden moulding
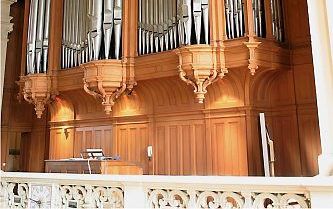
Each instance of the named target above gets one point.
<point>200,66</point>
<point>252,46</point>
<point>37,90</point>
<point>105,79</point>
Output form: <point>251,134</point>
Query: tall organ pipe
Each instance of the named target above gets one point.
<point>46,34</point>
<point>167,24</point>
<point>32,37</point>
<point>139,28</point>
<point>39,35</point>
<point>234,13</point>
<point>117,25</point>
<point>151,27</point>
<point>259,18</point>
<point>108,25</point>
<point>38,32</point>
<point>91,31</point>
<point>197,14</point>
<point>277,19</point>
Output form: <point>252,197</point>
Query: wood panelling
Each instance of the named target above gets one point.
<point>61,145</point>
<point>286,144</point>
<point>309,143</point>
<point>131,144</point>
<point>180,148</point>
<point>229,149</point>
<point>93,137</point>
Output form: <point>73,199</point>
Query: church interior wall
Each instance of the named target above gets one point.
<point>218,137</point>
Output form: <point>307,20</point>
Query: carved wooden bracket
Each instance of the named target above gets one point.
<point>105,79</point>
<point>200,66</point>
<point>37,90</point>
<point>252,46</point>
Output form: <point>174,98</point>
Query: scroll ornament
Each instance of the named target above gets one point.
<point>105,80</point>
<point>38,91</point>
<point>201,66</point>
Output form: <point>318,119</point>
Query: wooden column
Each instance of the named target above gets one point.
<point>269,21</point>
<point>55,40</point>
<point>129,38</point>
<point>217,21</point>
<point>249,20</point>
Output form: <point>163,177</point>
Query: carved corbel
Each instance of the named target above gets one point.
<point>130,73</point>
<point>252,46</point>
<point>37,90</point>
<point>200,66</point>
<point>105,79</point>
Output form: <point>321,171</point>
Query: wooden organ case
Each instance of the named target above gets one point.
<point>186,77</point>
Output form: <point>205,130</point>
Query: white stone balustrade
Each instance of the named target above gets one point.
<point>107,191</point>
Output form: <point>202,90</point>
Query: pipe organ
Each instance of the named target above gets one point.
<point>234,13</point>
<point>90,36</point>
<point>38,35</point>
<point>165,24</point>
<point>91,31</point>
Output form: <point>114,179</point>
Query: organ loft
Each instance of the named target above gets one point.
<point>173,87</point>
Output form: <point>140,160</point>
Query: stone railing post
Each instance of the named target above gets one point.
<point>135,195</point>
<point>321,199</point>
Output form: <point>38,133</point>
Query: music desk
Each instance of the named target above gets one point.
<point>97,167</point>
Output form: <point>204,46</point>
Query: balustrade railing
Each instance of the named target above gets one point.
<point>29,190</point>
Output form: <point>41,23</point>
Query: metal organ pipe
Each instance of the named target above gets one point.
<point>139,28</point>
<point>150,25</point>
<point>108,25</point>
<point>259,18</point>
<point>234,13</point>
<point>167,24</point>
<point>277,19</point>
<point>46,34</point>
<point>117,26</point>
<point>39,35</point>
<point>91,31</point>
<point>38,32</point>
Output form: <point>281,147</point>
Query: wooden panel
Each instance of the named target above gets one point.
<point>61,147</point>
<point>93,137</point>
<point>113,167</point>
<point>132,142</point>
<point>181,148</point>
<point>309,142</point>
<point>229,146</point>
<point>286,144</point>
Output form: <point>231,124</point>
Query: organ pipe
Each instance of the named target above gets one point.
<point>259,18</point>
<point>234,13</point>
<point>91,31</point>
<point>167,24</point>
<point>277,19</point>
<point>117,25</point>
<point>38,33</point>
